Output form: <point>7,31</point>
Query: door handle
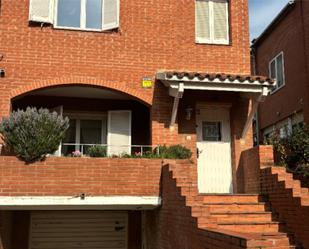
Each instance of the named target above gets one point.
<point>198,152</point>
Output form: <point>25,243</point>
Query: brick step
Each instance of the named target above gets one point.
<point>243,217</point>
<point>272,247</point>
<point>236,207</point>
<point>270,241</point>
<point>200,211</point>
<point>254,227</point>
<point>231,198</point>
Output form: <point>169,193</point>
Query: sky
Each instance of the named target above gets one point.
<point>262,12</point>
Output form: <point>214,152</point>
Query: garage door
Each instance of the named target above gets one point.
<point>78,230</point>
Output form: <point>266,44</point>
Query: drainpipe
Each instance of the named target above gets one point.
<point>306,59</point>
<point>256,115</point>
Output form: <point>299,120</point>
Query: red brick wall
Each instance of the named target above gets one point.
<point>251,162</point>
<point>153,35</point>
<point>287,36</point>
<point>287,201</point>
<point>172,226</point>
<point>73,176</point>
<point>286,198</point>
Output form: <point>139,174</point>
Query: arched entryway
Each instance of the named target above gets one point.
<point>98,116</point>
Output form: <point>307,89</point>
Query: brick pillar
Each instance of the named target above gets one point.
<point>252,161</point>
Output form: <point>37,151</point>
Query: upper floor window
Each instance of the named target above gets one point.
<point>93,15</point>
<point>276,70</point>
<point>212,21</point>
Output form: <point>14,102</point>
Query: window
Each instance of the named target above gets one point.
<point>84,131</point>
<point>212,21</point>
<point>92,15</point>
<point>82,14</point>
<point>211,131</point>
<point>276,70</point>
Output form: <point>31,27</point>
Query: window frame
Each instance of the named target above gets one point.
<point>83,18</point>
<point>274,59</point>
<point>212,39</point>
<point>78,117</point>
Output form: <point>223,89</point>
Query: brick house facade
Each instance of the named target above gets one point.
<point>290,102</point>
<point>166,72</point>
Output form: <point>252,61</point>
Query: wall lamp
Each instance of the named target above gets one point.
<point>189,111</point>
<point>2,73</point>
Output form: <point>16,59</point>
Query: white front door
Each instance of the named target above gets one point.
<point>214,149</point>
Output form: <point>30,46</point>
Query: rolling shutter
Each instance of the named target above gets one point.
<point>202,20</point>
<point>110,14</point>
<point>119,133</point>
<point>41,11</point>
<point>78,230</point>
<point>220,17</point>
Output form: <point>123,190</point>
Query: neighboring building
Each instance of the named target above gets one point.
<point>282,52</point>
<point>133,75</point>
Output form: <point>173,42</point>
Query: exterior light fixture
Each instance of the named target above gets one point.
<point>2,73</point>
<point>189,111</point>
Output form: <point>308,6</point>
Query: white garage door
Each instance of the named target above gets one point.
<point>78,230</point>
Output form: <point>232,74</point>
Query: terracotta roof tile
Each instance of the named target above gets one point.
<point>220,76</point>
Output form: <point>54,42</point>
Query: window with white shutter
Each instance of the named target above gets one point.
<point>212,21</point>
<point>276,71</point>
<point>92,15</point>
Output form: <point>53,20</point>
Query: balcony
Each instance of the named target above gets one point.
<point>98,116</point>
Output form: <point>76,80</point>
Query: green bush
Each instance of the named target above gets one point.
<point>175,152</point>
<point>167,152</point>
<point>292,151</point>
<point>32,134</point>
<point>97,151</point>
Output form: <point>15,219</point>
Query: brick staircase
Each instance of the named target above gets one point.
<point>242,216</point>
<point>289,199</point>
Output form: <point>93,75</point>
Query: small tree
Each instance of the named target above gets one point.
<point>32,134</point>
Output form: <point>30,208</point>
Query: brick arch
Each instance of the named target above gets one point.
<point>86,81</point>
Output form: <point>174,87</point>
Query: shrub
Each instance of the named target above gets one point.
<point>32,134</point>
<point>171,152</point>
<point>293,151</point>
<point>97,151</point>
<point>175,152</point>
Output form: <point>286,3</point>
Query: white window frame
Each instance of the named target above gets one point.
<point>212,40</point>
<point>84,116</point>
<point>82,18</point>
<point>277,88</point>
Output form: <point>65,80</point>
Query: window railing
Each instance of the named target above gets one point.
<point>78,149</point>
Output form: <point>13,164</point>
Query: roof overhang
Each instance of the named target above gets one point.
<point>254,87</point>
<point>215,82</point>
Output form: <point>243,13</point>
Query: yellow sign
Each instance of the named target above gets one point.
<point>147,82</point>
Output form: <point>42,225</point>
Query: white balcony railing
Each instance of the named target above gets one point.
<point>69,149</point>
